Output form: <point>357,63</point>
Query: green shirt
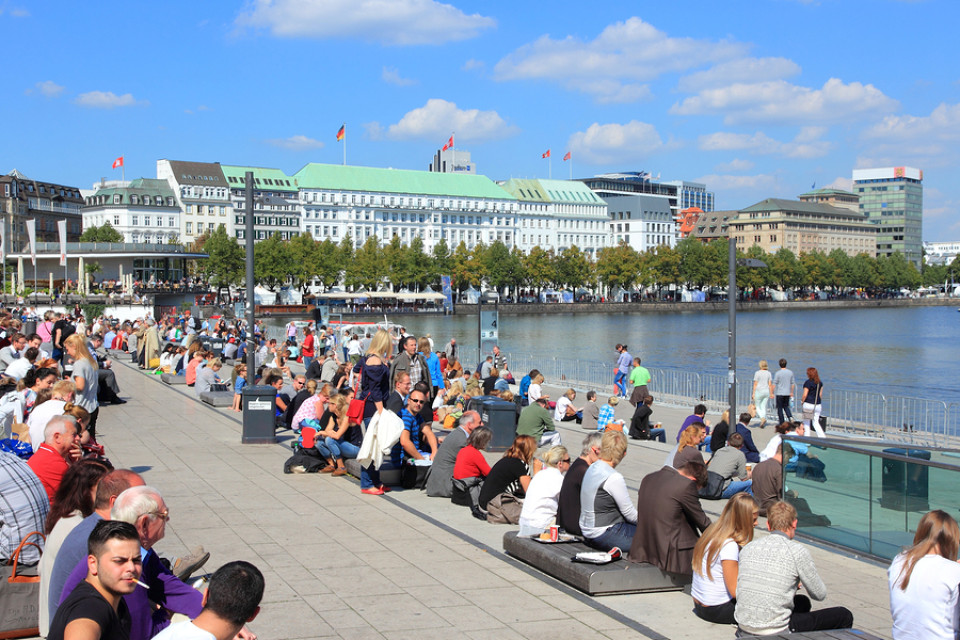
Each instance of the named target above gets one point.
<point>639,376</point>
<point>534,420</point>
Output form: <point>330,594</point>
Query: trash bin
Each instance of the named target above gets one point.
<point>29,326</point>
<point>905,486</point>
<point>259,404</point>
<point>499,416</point>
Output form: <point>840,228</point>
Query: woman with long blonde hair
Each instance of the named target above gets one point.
<point>716,560</point>
<point>924,581</point>
<point>687,450</point>
<point>85,378</point>
<point>374,389</point>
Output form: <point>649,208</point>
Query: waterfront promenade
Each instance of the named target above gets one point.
<point>342,564</point>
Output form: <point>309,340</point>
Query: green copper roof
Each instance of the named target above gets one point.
<point>139,187</point>
<point>827,191</point>
<point>350,178</point>
<point>776,204</point>
<point>264,178</point>
<point>561,191</point>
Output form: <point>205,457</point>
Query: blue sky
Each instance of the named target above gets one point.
<point>757,99</point>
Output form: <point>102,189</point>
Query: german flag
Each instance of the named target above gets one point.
<point>342,132</point>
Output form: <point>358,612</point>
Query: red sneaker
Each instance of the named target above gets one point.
<point>373,491</point>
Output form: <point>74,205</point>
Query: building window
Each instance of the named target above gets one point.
<point>116,221</point>
<point>135,220</point>
<point>116,198</point>
<point>190,228</point>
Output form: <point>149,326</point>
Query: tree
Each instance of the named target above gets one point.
<point>661,267</point>
<point>273,262</point>
<point>574,268</point>
<point>106,233</point>
<point>227,262</point>
<point>754,277</point>
<point>618,266</point>
<point>465,272</point>
<point>785,269</point>
<point>368,267</point>
<point>442,258</point>
<point>693,265</point>
<point>862,272</point>
<point>420,265</point>
<point>839,266</point>
<point>328,263</point>
<point>397,258</point>
<point>305,255</point>
<point>540,268</point>
<point>502,267</point>
<point>816,269</point>
<point>716,258</point>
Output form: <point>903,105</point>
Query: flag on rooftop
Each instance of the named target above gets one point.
<point>449,144</point>
<point>546,154</point>
<point>342,132</point>
<point>117,163</point>
<point>566,156</point>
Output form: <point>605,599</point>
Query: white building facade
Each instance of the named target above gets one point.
<point>643,221</point>
<point>559,214</point>
<point>201,193</point>
<point>143,211</point>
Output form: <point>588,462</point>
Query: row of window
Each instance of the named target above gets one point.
<point>208,209</point>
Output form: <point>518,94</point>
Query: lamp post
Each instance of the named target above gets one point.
<point>732,264</point>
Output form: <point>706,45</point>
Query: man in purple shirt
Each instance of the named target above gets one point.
<point>699,415</point>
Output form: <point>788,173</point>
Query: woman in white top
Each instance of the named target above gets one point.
<point>716,560</point>
<point>534,392</point>
<point>762,391</point>
<point>924,582</point>
<point>540,504</point>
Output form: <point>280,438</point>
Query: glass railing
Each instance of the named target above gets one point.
<point>868,496</point>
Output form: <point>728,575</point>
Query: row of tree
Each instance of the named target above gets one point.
<point>302,260</point>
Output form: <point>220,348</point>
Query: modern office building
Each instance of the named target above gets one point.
<point>835,197</point>
<point>692,194</point>
<point>342,200</point>
<point>642,221</point>
<point>144,210</point>
<point>201,192</point>
<point>276,202</point>
<point>802,227</point>
<point>558,214</point>
<point>892,199</point>
<point>452,161</point>
<point>22,199</point>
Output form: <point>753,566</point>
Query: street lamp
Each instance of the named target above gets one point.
<point>732,320</point>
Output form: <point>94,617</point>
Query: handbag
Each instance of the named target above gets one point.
<point>19,596</point>
<point>357,405</point>
<point>714,487</point>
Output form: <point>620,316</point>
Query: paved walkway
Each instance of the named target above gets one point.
<point>342,564</point>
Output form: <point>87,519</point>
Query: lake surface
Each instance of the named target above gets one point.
<point>898,351</point>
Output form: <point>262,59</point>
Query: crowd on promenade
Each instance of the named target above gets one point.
<point>400,403</point>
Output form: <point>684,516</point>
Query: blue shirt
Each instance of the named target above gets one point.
<point>524,386</point>
<point>412,424</point>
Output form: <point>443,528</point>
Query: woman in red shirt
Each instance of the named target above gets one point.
<point>471,468</point>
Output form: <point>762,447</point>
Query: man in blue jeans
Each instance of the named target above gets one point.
<point>784,386</point>
<point>624,362</point>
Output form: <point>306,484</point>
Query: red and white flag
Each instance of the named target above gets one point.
<point>546,154</point>
<point>566,157</point>
<point>117,163</point>
<point>449,144</point>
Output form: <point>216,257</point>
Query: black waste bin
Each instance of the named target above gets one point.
<point>29,326</point>
<point>499,416</point>
<point>259,404</point>
<point>905,486</point>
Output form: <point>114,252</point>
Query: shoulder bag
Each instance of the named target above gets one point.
<point>19,594</point>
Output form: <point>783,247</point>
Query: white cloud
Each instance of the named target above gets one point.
<point>735,165</point>
<point>840,182</point>
<point>761,183</point>
<point>615,143</point>
<point>437,118</point>
<point>782,102</point>
<point>47,88</point>
<point>200,108</point>
<point>923,141</point>
<point>295,143</point>
<point>751,70</point>
<point>391,75</point>
<point>473,64</point>
<point>807,143</point>
<point>943,121</point>
<point>625,53</point>
<point>106,100</point>
<point>392,22</point>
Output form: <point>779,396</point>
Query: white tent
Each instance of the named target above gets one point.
<point>470,296</point>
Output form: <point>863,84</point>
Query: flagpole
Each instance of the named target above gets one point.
<point>571,167</point>
<point>344,144</point>
<point>550,167</point>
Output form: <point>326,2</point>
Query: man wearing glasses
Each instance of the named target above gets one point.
<point>416,437</point>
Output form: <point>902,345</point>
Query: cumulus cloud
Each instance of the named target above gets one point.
<point>106,100</point>
<point>625,53</point>
<point>782,102</point>
<point>397,22</point>
<point>750,70</point>
<point>735,165</point>
<point>807,143</point>
<point>472,64</point>
<point>295,143</point>
<point>391,75</point>
<point>920,140</point>
<point>47,88</point>
<point>840,182</point>
<point>615,143</point>
<point>437,118</point>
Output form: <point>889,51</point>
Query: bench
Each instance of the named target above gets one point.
<point>833,634</point>
<point>217,398</point>
<point>171,378</point>
<point>388,474</point>
<point>618,577</point>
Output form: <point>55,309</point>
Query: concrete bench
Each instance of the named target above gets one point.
<point>388,474</point>
<point>618,577</point>
<point>833,634</point>
<point>218,398</point>
<point>171,378</point>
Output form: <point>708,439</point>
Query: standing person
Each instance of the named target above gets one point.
<point>292,332</point>
<point>308,348</point>
<point>451,349</point>
<point>924,581</point>
<point>624,360</point>
<point>639,378</point>
<point>784,386</point>
<point>811,399</point>
<point>374,387</point>
<point>96,607</point>
<point>85,379</point>
<point>716,559</point>
<point>762,390</point>
<point>771,570</point>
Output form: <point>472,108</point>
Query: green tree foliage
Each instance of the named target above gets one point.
<point>227,262</point>
<point>329,263</point>
<point>442,258</point>
<point>540,268</point>
<point>105,233</point>
<point>574,268</point>
<point>785,269</point>
<point>305,259</point>
<point>618,266</point>
<point>273,262</point>
<point>503,267</point>
<point>693,264</point>
<point>369,266</point>
<point>420,265</point>
<point>465,271</point>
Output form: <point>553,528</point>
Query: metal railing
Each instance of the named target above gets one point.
<point>906,419</point>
